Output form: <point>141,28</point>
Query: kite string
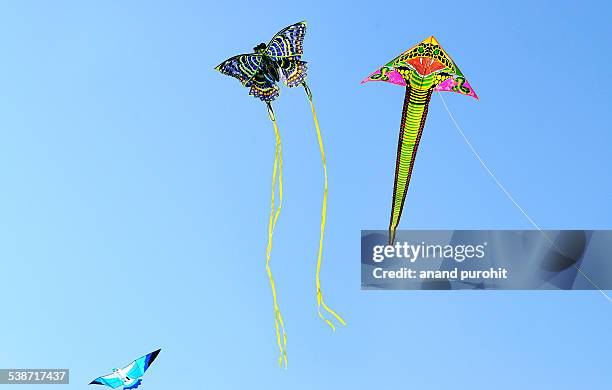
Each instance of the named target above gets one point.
<point>320,300</point>
<point>277,172</point>
<point>505,191</point>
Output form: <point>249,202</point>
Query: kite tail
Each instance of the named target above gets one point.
<point>281,335</point>
<point>416,103</point>
<point>320,300</point>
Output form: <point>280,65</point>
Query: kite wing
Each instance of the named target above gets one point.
<point>244,67</point>
<point>457,83</point>
<point>293,72</point>
<point>133,385</point>
<point>286,48</point>
<point>263,87</point>
<point>287,43</point>
<point>111,380</point>
<point>138,367</point>
<point>389,72</point>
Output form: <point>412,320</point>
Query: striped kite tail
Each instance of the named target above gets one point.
<point>414,115</point>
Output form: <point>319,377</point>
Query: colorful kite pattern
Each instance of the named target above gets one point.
<point>422,69</point>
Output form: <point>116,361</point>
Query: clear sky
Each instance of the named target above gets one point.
<point>135,187</point>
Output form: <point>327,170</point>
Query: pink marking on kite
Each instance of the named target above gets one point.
<point>394,77</point>
<point>472,92</point>
<point>448,84</point>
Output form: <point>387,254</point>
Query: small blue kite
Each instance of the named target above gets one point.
<point>129,376</point>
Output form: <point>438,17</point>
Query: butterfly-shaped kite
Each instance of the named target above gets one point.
<point>261,71</point>
<point>279,60</point>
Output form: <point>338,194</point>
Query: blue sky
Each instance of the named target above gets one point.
<point>135,190</point>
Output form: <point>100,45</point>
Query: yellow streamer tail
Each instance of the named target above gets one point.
<point>277,173</point>
<point>320,301</point>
